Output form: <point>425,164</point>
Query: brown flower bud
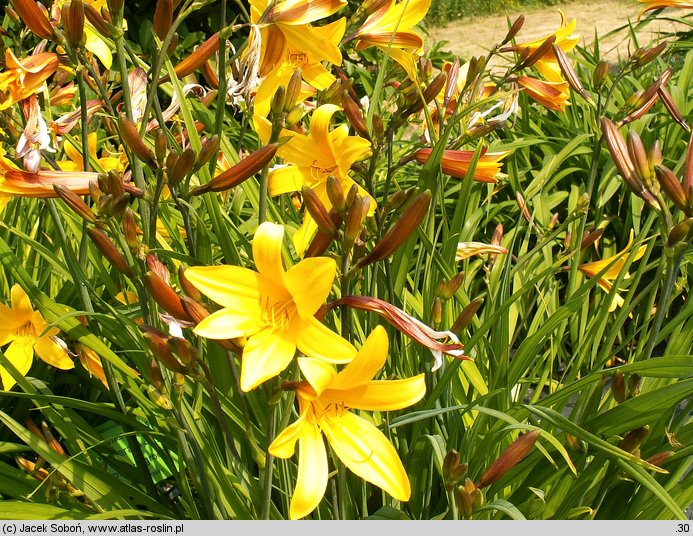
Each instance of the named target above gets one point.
<point>318,211</point>
<point>672,188</point>
<point>688,172</point>
<point>239,172</point>
<point>539,53</point>
<point>478,498</point>
<point>72,16</point>
<point>591,237</point>
<point>553,221</point>
<point>165,296</point>
<point>157,341</point>
<point>277,102</point>
<point>130,229</point>
<point>601,74</point>
<point>660,458</point>
<point>35,18</point>
<point>187,287</point>
<point>184,350</point>
<point>510,457</point>
<point>75,202</point>
<point>429,93</point>
<point>293,90</point>
<point>109,250</point>
<point>643,56</point>
<point>163,18</point>
<point>335,194</point>
<point>94,191</point>
<point>671,107</point>
<point>355,218</point>
<point>634,381</point>
<point>196,59</point>
<point>131,138</point>
<point>182,167</point>
<point>512,32</point>
<point>403,228</point>
<point>451,84</point>
<point>618,386</point>
<point>569,73</point>
<point>680,232</point>
<point>160,146</point>
<point>95,18</point>
<point>354,115</point>
<point>466,315</point>
<point>453,470</point>
<point>463,500</point>
<point>196,312</point>
<point>638,156</point>
<point>209,150</point>
<point>322,241</point>
<point>437,312</point>
<point>53,443</point>
<point>378,126</point>
<point>632,440</point>
<point>351,196</point>
<point>447,289</point>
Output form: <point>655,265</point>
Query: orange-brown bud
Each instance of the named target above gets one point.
<point>163,18</point>
<point>447,289</point>
<point>196,59</point>
<point>636,151</point>
<point>569,72</point>
<point>453,470</point>
<point>660,458</point>
<point>355,218</point>
<point>436,311</point>
<point>539,53</point>
<point>632,440</point>
<point>196,312</point>
<point>75,202</point>
<point>209,150</point>
<point>688,172</point>
<point>403,228</point>
<point>464,502</point>
<point>510,457</point>
<point>182,167</point>
<point>157,341</point>
<point>184,350</point>
<point>95,18</point>
<point>72,17</point>
<point>429,93</point>
<point>293,90</point>
<point>109,250</point>
<point>591,237</point>
<point>318,211</point>
<point>522,204</point>
<point>131,138</point>
<point>335,194</point>
<point>601,73</point>
<point>240,172</point>
<point>34,16</point>
<point>354,115</point>
<point>351,196</point>
<point>53,443</point>
<point>187,287</point>
<point>160,146</point>
<point>165,296</point>
<point>671,107</point>
<point>512,32</point>
<point>130,229</point>
<point>643,56</point>
<point>618,386</point>
<point>322,241</point>
<point>672,188</point>
<point>466,315</point>
<point>680,232</point>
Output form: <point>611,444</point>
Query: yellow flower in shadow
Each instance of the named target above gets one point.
<point>324,400</point>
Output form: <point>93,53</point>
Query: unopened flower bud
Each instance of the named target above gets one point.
<point>96,20</point>
<point>322,241</point>
<point>53,443</point>
<point>601,74</point>
<point>539,52</point>
<point>160,146</point>
<point>636,151</point>
<point>293,90</point>
<point>688,171</point>
<point>660,458</point>
<point>634,381</point>
<point>277,102</point>
<point>463,500</point>
<point>130,229</point>
<point>131,138</point>
<point>447,289</point>
<point>672,188</point>
<point>569,73</point>
<point>512,32</point>
<point>157,341</point>
<point>335,194</point>
<point>378,126</point>
<point>354,115</point>
<point>184,350</point>
<point>196,59</point>
<point>163,18</point>
<point>187,287</point>
<point>196,312</point>
<point>478,498</point>
<point>453,470</point>
<point>618,386</point>
<point>436,312</point>
<point>632,440</point>
<point>318,211</point>
<point>643,56</point>
<point>35,18</point>
<point>72,16</point>
<point>109,250</point>
<point>680,232</point>
<point>182,167</point>
<point>553,221</point>
<point>591,237</point>
<point>75,202</point>
<point>671,107</point>
<point>351,196</point>
<point>355,218</point>
<point>209,150</point>
<point>239,172</point>
<point>465,317</point>
<point>510,457</point>
<point>403,228</point>
<point>165,296</point>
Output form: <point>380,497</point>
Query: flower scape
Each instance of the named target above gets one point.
<point>294,260</point>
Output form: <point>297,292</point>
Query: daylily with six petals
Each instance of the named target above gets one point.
<point>272,307</point>
<point>312,158</point>
<point>27,332</point>
<point>22,78</point>
<point>324,401</point>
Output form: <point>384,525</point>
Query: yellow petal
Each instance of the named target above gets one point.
<point>304,234</point>
<point>53,354</point>
<point>11,320</point>
<point>312,473</point>
<point>320,127</point>
<point>20,354</point>
<point>98,47</point>
<point>305,12</point>
<point>367,453</point>
<point>405,59</point>
<point>381,395</point>
<point>318,373</point>
<point>315,339</point>
<point>229,286</point>
<point>284,444</point>
<point>21,305</point>
<point>349,150</point>
<point>369,360</point>
<point>230,323</point>
<point>321,43</point>
<point>310,282</point>
<point>318,76</point>
<point>267,252</point>
<point>265,355</point>
<point>284,180</point>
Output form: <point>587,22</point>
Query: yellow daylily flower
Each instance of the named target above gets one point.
<point>456,163</point>
<point>392,26</point>
<point>324,401</point>
<point>615,264</point>
<point>93,42</point>
<point>27,332</point>
<point>22,78</point>
<point>551,95</point>
<point>76,162</point>
<point>290,43</point>
<point>547,65</point>
<point>313,157</point>
<point>272,307</point>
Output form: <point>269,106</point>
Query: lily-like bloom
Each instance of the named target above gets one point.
<point>660,4</point>
<point>27,332</point>
<point>324,401</point>
<point>22,78</point>
<point>76,162</point>
<point>289,42</point>
<point>313,157</point>
<point>552,95</point>
<point>35,137</point>
<point>615,264</point>
<point>272,307</point>
<point>94,43</point>
<point>547,65</point>
<point>456,163</point>
<point>469,249</point>
<point>392,26</point>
